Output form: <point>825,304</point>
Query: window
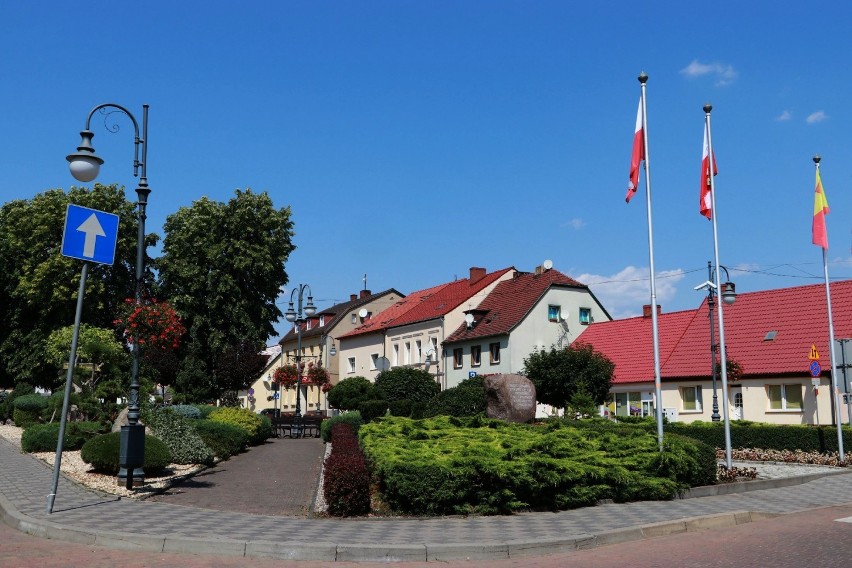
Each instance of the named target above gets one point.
<point>351,364</point>
<point>407,359</point>
<point>396,354</point>
<point>308,324</point>
<point>585,316</point>
<point>374,360</point>
<point>322,321</point>
<point>475,355</point>
<point>354,319</point>
<point>457,358</point>
<point>553,313</point>
<point>691,398</point>
<point>494,350</point>
<point>628,404</point>
<point>784,397</point>
<point>418,351</point>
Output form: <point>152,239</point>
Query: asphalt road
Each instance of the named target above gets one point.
<point>812,539</point>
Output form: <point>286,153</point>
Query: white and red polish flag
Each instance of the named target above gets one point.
<point>705,199</point>
<point>638,154</point>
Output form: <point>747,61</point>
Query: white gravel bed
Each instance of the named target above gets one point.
<point>75,468</point>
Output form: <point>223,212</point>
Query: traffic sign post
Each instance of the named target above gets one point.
<point>90,235</point>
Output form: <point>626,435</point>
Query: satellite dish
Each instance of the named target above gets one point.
<point>468,318</point>
<point>547,264</point>
<point>382,364</point>
<point>362,312</point>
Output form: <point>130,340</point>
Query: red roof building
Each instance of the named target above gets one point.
<point>771,335</point>
<point>531,311</point>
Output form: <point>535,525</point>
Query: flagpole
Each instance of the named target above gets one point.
<point>835,391</point>
<point>724,364</point>
<point>643,78</point>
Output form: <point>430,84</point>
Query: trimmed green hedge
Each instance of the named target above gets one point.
<point>745,434</point>
<point>352,418</point>
<point>43,437</point>
<point>183,441</point>
<point>102,453</point>
<point>449,465</point>
<point>246,419</point>
<point>225,440</point>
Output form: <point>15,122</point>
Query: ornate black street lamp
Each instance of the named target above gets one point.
<point>296,317</point>
<point>729,296</point>
<point>85,165</point>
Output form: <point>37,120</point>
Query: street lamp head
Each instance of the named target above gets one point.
<point>333,350</point>
<point>729,293</point>
<point>85,164</point>
<point>291,314</point>
<point>310,309</point>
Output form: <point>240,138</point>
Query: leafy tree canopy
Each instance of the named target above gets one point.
<point>38,286</point>
<point>560,375</point>
<point>95,345</point>
<point>349,393</point>
<point>222,269</point>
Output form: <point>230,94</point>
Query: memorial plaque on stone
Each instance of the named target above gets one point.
<point>510,398</point>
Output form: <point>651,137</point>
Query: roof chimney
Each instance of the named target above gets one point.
<point>646,310</point>
<point>365,294</point>
<point>353,297</point>
<point>476,274</point>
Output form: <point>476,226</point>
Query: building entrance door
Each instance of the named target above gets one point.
<point>737,397</point>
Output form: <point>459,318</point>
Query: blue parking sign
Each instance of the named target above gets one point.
<point>89,234</point>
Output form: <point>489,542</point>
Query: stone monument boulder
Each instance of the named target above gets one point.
<point>510,398</point>
<point>122,420</point>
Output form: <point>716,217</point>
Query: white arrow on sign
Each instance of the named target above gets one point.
<point>91,227</point>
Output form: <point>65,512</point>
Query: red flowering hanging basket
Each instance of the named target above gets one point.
<point>287,376</point>
<point>151,323</point>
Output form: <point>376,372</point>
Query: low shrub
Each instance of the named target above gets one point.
<point>400,408</point>
<point>28,409</point>
<point>102,453</point>
<point>372,409</point>
<point>245,419</point>
<point>352,418</point>
<point>349,393</point>
<point>53,410</point>
<point>224,440</point>
<point>44,437</point>
<point>177,433</point>
<point>466,399</point>
<point>7,406</point>
<point>346,480</point>
<point>264,431</point>
<point>205,409</point>
<point>745,434</point>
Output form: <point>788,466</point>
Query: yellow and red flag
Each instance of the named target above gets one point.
<point>820,236</point>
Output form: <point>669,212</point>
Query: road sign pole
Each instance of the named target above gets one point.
<point>57,462</point>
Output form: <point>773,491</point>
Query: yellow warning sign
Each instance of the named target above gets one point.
<point>814,354</point>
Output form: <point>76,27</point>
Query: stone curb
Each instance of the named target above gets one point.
<point>758,484</point>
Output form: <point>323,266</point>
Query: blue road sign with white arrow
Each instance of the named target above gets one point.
<point>89,234</point>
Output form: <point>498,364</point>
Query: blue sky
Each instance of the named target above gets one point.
<point>414,140</point>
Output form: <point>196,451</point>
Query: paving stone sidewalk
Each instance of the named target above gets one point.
<point>84,516</point>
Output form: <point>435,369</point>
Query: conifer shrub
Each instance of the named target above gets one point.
<point>349,393</point>
<point>245,419</point>
<point>186,410</point>
<point>205,409</point>
<point>102,453</point>
<point>177,433</point>
<point>406,383</point>
<point>29,409</point>
<point>346,481</point>
<point>44,437</point>
<point>224,440</point>
<point>353,418</point>
<point>400,408</point>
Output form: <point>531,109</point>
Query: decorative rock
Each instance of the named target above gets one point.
<point>122,420</point>
<point>510,398</point>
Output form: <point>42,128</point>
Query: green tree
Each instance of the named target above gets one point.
<point>406,383</point>
<point>568,377</point>
<point>38,286</point>
<point>97,348</point>
<point>222,269</point>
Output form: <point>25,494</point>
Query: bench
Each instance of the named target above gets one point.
<point>287,425</point>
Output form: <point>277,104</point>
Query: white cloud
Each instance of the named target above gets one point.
<point>623,294</point>
<point>576,223</point>
<point>815,117</point>
<point>784,116</point>
<point>724,74</point>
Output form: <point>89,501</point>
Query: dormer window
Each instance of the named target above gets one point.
<point>321,321</point>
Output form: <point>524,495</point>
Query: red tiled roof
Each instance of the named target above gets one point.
<point>427,304</point>
<point>629,343</point>
<point>798,315</point>
<point>509,302</point>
